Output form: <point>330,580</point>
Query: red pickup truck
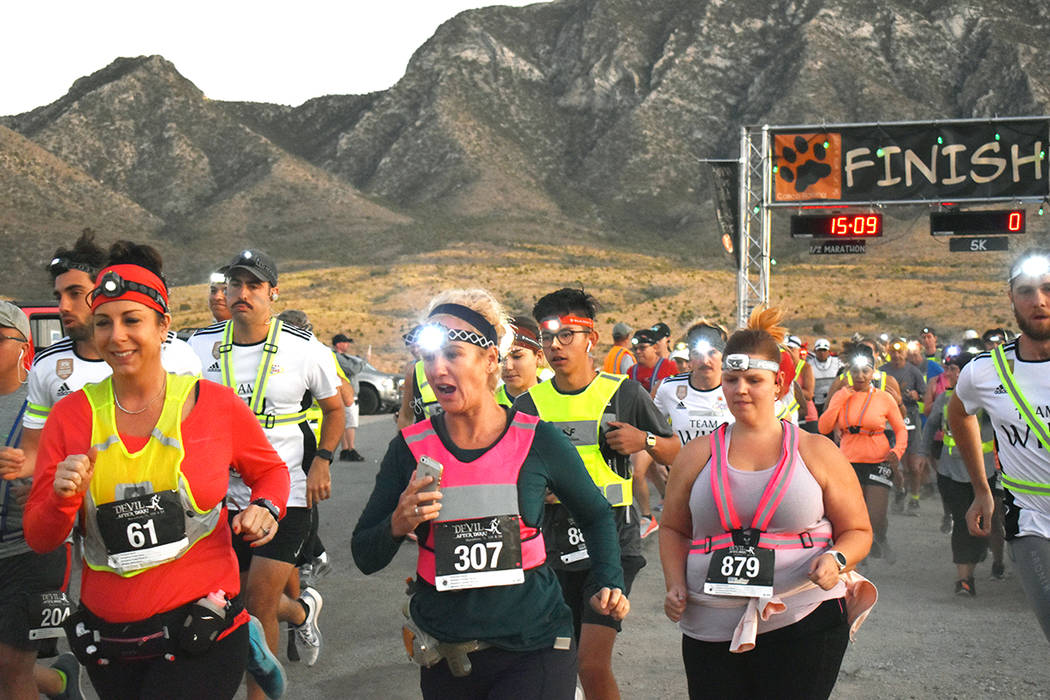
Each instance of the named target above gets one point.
<point>45,325</point>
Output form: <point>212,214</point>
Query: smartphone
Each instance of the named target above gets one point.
<point>428,466</point>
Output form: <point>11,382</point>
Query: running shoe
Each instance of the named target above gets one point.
<point>355,456</point>
<point>898,502</point>
<point>964,587</point>
<point>262,664</point>
<point>913,507</point>
<point>344,455</point>
<point>998,570</point>
<point>946,524</point>
<point>307,635</point>
<point>322,566</point>
<point>648,525</point>
<point>68,665</point>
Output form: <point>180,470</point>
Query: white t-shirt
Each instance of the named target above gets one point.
<point>1021,455</point>
<point>691,411</point>
<point>302,364</point>
<point>824,374</point>
<point>58,371</point>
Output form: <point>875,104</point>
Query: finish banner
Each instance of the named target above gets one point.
<point>912,162</point>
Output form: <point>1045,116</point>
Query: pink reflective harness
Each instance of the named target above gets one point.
<point>767,505</point>
<point>498,468</point>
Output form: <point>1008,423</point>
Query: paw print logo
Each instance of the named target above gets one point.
<point>808,166</point>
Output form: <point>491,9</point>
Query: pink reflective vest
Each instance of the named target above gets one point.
<point>487,486</point>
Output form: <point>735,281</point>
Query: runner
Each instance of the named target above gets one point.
<point>494,465</point>
<point>620,357</point>
<point>519,369</point>
<point>351,366</point>
<point>418,400</point>
<point>276,369</point>
<point>1010,385</point>
<point>29,582</point>
<point>910,380</point>
<point>750,531</point>
<point>607,418</point>
<point>651,368</point>
<point>798,403</point>
<point>928,341</point>
<point>826,368</point>
<point>953,481</point>
<point>141,460</point>
<point>67,365</point>
<point>693,403</point>
<point>860,412</point>
<point>217,296</point>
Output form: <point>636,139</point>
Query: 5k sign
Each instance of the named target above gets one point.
<point>912,162</point>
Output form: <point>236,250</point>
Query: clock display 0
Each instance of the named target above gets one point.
<point>837,226</point>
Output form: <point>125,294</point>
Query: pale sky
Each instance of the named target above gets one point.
<point>260,51</point>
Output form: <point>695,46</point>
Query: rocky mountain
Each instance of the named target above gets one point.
<point>581,116</point>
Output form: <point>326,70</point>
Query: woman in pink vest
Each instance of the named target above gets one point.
<point>761,524</point>
<point>486,616</point>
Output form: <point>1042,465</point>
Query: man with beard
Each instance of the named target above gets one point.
<point>66,366</point>
<point>1011,384</point>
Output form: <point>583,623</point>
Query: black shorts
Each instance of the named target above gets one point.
<point>292,532</point>
<point>874,474</point>
<point>572,590</point>
<point>22,577</point>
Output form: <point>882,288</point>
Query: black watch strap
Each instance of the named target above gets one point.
<point>324,454</point>
<point>268,505</point>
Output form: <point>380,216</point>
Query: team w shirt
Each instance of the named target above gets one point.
<point>691,412</point>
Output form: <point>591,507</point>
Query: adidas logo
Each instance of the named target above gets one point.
<point>214,367</point>
<point>64,390</point>
<point>999,390</point>
<point>681,405</point>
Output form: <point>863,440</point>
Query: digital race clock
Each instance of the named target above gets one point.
<point>837,226</point>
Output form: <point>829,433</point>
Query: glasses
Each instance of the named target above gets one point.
<point>565,336</point>
<point>17,340</point>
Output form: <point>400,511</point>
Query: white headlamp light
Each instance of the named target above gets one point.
<point>739,362</point>
<point>217,278</point>
<point>702,347</point>
<point>860,362</point>
<point>431,338</point>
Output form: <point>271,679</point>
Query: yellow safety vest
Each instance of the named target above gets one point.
<point>262,375</point>
<point>878,376</point>
<point>579,416</point>
<point>949,441</point>
<point>314,413</point>
<point>1006,376</point>
<point>427,397</point>
<point>154,471</point>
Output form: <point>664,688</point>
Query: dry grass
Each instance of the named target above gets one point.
<point>376,303</point>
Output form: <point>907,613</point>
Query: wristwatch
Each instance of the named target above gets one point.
<point>839,557</point>
<point>268,505</point>
<point>650,440</point>
<point>324,454</point>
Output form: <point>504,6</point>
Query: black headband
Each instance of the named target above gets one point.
<point>470,316</point>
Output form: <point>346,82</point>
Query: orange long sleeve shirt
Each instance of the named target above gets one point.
<point>870,445</point>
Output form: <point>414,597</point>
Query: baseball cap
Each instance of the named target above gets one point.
<point>256,262</point>
<point>680,354</point>
<point>970,334</point>
<point>341,338</point>
<point>621,330</point>
<point>13,317</point>
<point>645,336</point>
<point>660,331</point>
<point>822,344</point>
<point>793,341</point>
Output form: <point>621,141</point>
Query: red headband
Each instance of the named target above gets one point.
<point>570,320</point>
<point>123,276</point>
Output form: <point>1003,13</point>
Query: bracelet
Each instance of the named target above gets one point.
<point>268,505</point>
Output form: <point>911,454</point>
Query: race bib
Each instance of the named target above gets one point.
<point>478,552</point>
<point>144,530</point>
<point>741,570</point>
<point>568,539</point>
<point>47,612</point>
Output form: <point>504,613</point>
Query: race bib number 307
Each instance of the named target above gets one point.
<point>477,552</point>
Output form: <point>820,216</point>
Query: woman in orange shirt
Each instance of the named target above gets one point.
<point>860,413</point>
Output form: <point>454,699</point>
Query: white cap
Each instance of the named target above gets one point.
<point>822,344</point>
<point>971,334</point>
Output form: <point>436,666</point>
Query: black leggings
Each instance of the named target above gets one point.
<point>215,674</point>
<point>966,549</point>
<point>798,661</point>
<point>545,674</point>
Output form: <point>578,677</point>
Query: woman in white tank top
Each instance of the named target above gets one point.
<point>759,510</point>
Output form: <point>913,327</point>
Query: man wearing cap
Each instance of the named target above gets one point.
<point>26,578</point>
<point>825,367</point>
<point>796,404</point>
<point>652,368</point>
<point>351,366</point>
<point>620,357</point>
<point>1012,386</point>
<point>276,368</point>
<point>607,417</point>
<point>662,343</point>
<point>67,365</point>
<point>217,296</point>
<point>912,387</point>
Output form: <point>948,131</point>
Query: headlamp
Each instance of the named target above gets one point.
<point>431,337</point>
<point>217,278</point>
<point>60,264</point>
<point>113,285</point>
<point>739,362</point>
<point>860,362</point>
<point>951,351</point>
<point>885,338</point>
<point>705,341</point>
<point>1031,266</point>
<point>702,347</point>
<point>913,346</point>
<point>551,324</point>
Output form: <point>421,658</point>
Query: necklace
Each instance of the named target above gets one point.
<point>143,409</point>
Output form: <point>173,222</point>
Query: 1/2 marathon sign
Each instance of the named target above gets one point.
<point>912,162</point>
<point>851,247</point>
